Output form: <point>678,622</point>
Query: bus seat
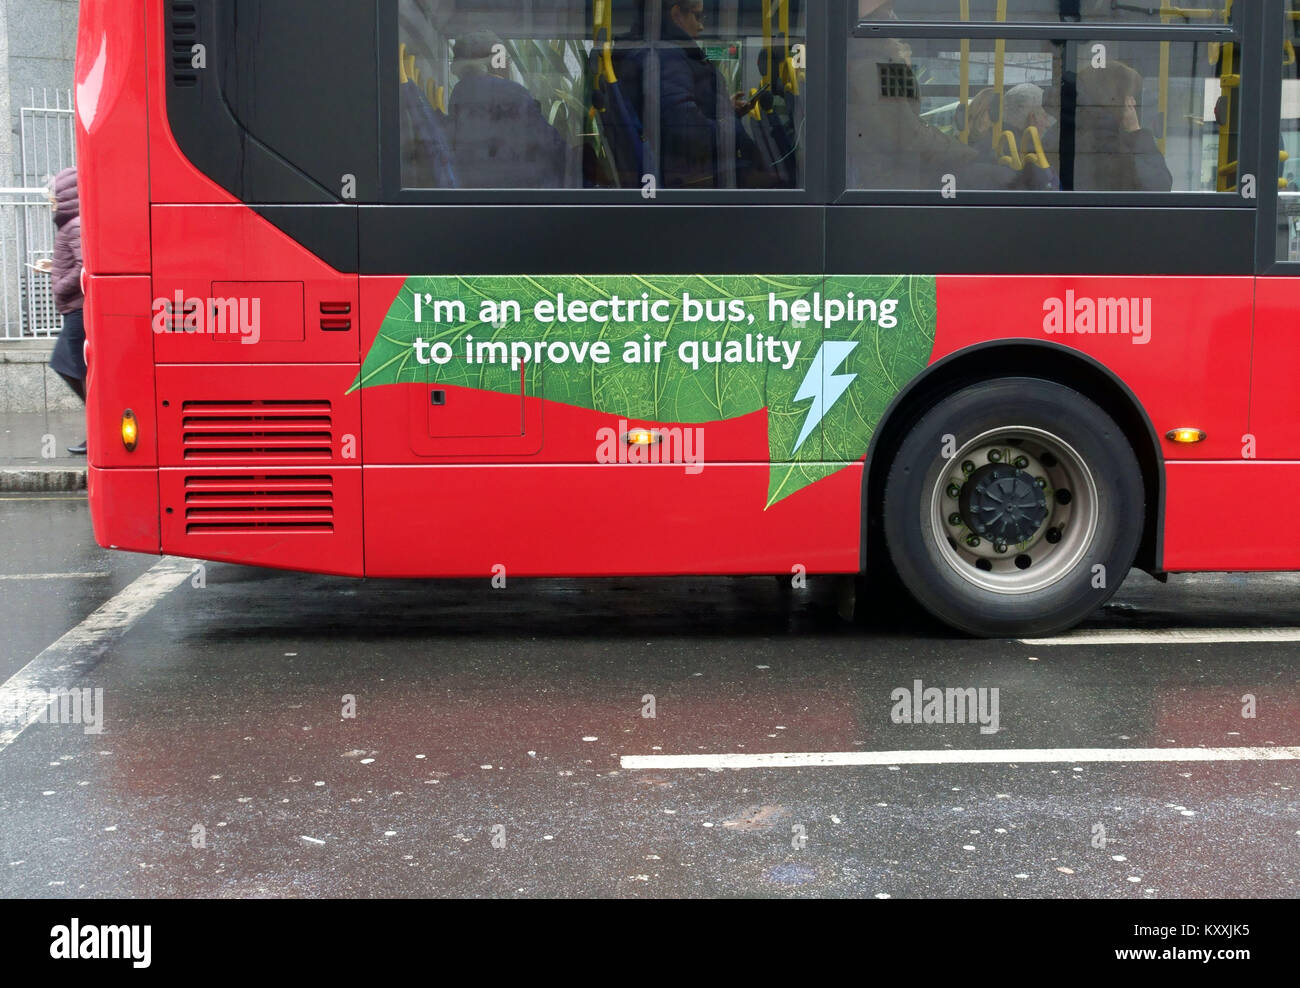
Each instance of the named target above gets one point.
<point>614,99</point>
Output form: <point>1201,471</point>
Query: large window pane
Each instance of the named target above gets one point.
<point>1068,11</point>
<point>1039,115</point>
<point>567,94</point>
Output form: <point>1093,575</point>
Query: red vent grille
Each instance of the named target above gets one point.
<point>336,317</point>
<point>259,505</point>
<point>275,431</point>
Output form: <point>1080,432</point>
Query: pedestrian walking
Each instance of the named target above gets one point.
<point>68,359</point>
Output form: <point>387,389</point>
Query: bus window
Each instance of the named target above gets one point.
<point>571,94</point>
<point>1288,211</point>
<point>1067,11</point>
<point>994,115</point>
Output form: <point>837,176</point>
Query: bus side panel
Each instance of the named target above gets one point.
<point>124,509</point>
<point>1215,517</point>
<point>300,518</point>
<point>113,137</point>
<point>261,414</point>
<point>172,178</point>
<point>604,520</point>
<point>1193,370</point>
<point>301,309</point>
<point>120,372</point>
<point>1274,396</point>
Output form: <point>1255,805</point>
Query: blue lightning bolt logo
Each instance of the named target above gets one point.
<point>822,382</point>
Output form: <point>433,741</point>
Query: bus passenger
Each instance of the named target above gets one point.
<point>890,146</point>
<point>980,117</point>
<point>1023,108</point>
<point>702,138</point>
<point>499,137</point>
<point>1113,152</point>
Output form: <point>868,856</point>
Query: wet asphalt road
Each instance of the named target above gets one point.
<point>484,755</point>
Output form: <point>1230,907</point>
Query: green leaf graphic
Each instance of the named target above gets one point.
<point>671,391</point>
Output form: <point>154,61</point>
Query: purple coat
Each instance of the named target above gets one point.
<point>66,274</point>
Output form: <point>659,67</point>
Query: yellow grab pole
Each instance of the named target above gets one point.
<point>964,136</point>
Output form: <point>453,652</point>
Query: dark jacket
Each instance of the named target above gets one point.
<point>1110,159</point>
<point>66,273</point>
<point>499,138</point>
<point>703,141</point>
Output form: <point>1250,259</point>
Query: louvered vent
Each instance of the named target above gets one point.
<point>185,35</point>
<point>336,317</point>
<point>259,505</point>
<point>275,431</point>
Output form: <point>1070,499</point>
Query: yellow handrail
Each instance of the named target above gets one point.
<point>1227,80</point>
<point>1037,156</point>
<point>789,74</point>
<point>964,136</point>
<point>999,68</point>
<point>767,44</point>
<point>1012,158</point>
<point>602,15</point>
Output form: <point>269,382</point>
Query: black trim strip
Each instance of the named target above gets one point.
<point>483,240</point>
<point>1009,241</point>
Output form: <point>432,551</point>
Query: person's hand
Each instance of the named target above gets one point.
<point>45,265</point>
<point>743,104</point>
<point>1130,120</point>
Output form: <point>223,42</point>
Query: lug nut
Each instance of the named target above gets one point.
<point>995,456</point>
<point>954,490</point>
<point>999,546</point>
<point>954,519</point>
<point>968,468</point>
<point>973,541</point>
<point>1022,462</point>
<point>1040,483</point>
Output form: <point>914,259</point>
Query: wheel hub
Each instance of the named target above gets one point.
<point>1002,503</point>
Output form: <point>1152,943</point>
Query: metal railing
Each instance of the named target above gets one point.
<point>26,238</point>
<point>47,131</point>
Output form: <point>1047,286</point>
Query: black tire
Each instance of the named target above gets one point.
<point>987,591</point>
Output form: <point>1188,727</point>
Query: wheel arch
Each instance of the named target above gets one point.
<point>1017,358</point>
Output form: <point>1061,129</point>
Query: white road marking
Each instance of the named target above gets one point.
<point>991,756</point>
<point>54,576</point>
<point>82,498</point>
<point>1170,636</point>
<point>61,665</point>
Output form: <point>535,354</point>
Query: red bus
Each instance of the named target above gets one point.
<point>989,294</point>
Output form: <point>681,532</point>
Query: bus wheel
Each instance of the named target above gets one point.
<point>1013,508</point>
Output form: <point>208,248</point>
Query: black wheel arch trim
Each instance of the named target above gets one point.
<point>1151,552</point>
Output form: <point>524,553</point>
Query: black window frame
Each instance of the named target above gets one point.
<point>813,193</point>
<point>1242,28</point>
<point>1269,31</point>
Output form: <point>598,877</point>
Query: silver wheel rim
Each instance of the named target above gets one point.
<point>1056,545</point>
